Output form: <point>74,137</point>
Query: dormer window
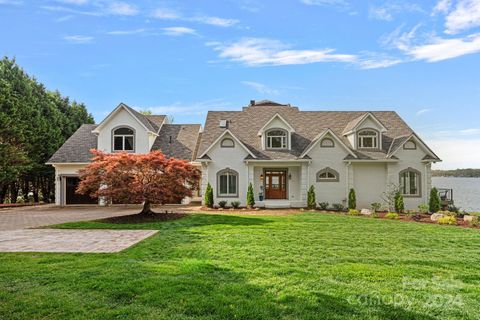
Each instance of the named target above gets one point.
<point>227,143</point>
<point>368,139</point>
<point>327,143</point>
<point>123,139</point>
<point>276,139</point>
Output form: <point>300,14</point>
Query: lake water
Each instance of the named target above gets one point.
<point>466,191</point>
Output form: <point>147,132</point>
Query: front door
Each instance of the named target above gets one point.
<point>276,184</point>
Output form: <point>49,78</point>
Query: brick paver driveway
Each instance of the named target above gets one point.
<point>38,216</point>
<point>15,235</point>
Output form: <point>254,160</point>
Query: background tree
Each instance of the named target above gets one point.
<point>138,178</point>
<point>352,199</point>
<point>208,198</point>
<point>34,123</point>
<point>250,196</point>
<point>434,202</point>
<point>311,201</point>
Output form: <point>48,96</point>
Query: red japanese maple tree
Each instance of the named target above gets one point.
<point>148,178</point>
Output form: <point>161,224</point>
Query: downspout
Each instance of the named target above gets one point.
<point>349,163</point>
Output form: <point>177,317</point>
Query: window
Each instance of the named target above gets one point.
<point>368,139</point>
<point>410,182</point>
<point>327,175</point>
<point>227,181</point>
<point>327,143</point>
<point>123,139</point>
<point>227,143</point>
<point>276,139</point>
<point>410,145</point>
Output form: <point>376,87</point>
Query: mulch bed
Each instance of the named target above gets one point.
<point>14,205</point>
<point>142,218</point>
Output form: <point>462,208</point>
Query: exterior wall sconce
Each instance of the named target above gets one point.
<point>289,176</point>
<point>261,177</point>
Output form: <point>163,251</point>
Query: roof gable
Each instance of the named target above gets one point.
<point>149,126</point>
<point>204,153</point>
<point>279,117</point>
<point>399,142</point>
<point>357,122</point>
<point>320,136</point>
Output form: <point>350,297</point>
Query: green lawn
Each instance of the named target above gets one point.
<point>306,266</point>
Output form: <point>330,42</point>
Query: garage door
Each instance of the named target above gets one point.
<point>71,197</point>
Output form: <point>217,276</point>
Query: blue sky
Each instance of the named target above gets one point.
<point>182,58</point>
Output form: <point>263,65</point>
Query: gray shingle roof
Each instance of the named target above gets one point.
<point>178,140</point>
<point>143,119</point>
<point>307,124</point>
<point>156,120</point>
<point>77,148</point>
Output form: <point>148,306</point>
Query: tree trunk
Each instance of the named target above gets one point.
<point>3,192</point>
<point>146,208</point>
<point>13,192</point>
<point>35,190</point>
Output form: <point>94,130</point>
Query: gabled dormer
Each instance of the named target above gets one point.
<point>276,134</point>
<point>127,130</point>
<point>365,132</point>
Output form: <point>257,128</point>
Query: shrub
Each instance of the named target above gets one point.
<point>311,202</point>
<point>353,212</point>
<point>338,206</point>
<point>376,206</point>
<point>434,202</point>
<point>399,204</point>
<point>235,204</point>
<point>323,205</point>
<point>423,208</point>
<point>352,199</point>
<point>209,196</point>
<point>222,204</point>
<point>392,215</point>
<point>453,208</point>
<point>447,220</point>
<point>250,196</point>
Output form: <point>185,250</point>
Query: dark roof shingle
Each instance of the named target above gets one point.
<point>77,148</point>
<point>178,140</point>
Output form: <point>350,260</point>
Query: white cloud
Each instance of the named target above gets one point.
<point>466,15</point>
<point>178,31</point>
<point>422,112</point>
<point>260,88</point>
<point>378,63</point>
<point>442,6</point>
<point>388,10</point>
<point>11,2</point>
<point>264,52</point>
<point>122,9</point>
<point>456,152</point>
<point>75,2</point>
<point>126,32</point>
<point>215,21</point>
<point>165,13</point>
<point>78,39</point>
<point>442,49</point>
<point>325,2</point>
<point>199,108</point>
<point>170,14</point>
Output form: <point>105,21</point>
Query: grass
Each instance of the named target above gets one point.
<point>303,266</point>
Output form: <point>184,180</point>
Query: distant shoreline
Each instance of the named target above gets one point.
<point>458,173</point>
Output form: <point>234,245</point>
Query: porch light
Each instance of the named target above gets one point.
<point>289,176</point>
<point>261,177</point>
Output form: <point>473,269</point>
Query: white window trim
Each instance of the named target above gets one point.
<point>406,187</point>
<point>360,138</point>
<point>227,172</point>
<point>123,139</point>
<point>284,139</point>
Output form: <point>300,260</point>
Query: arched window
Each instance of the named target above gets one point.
<point>328,175</point>
<point>368,138</point>
<point>124,139</point>
<point>327,143</point>
<point>227,143</point>
<point>410,145</point>
<point>276,139</point>
<point>410,182</point>
<point>227,183</point>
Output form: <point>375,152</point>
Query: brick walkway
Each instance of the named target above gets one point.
<point>62,240</point>
<point>16,237</point>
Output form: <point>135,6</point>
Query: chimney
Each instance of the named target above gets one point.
<point>252,102</point>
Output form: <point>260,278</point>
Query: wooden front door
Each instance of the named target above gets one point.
<point>276,184</point>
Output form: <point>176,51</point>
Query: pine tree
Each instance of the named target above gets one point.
<point>311,202</point>
<point>399,204</point>
<point>209,196</point>
<point>434,203</point>
<point>250,196</point>
<point>352,199</point>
